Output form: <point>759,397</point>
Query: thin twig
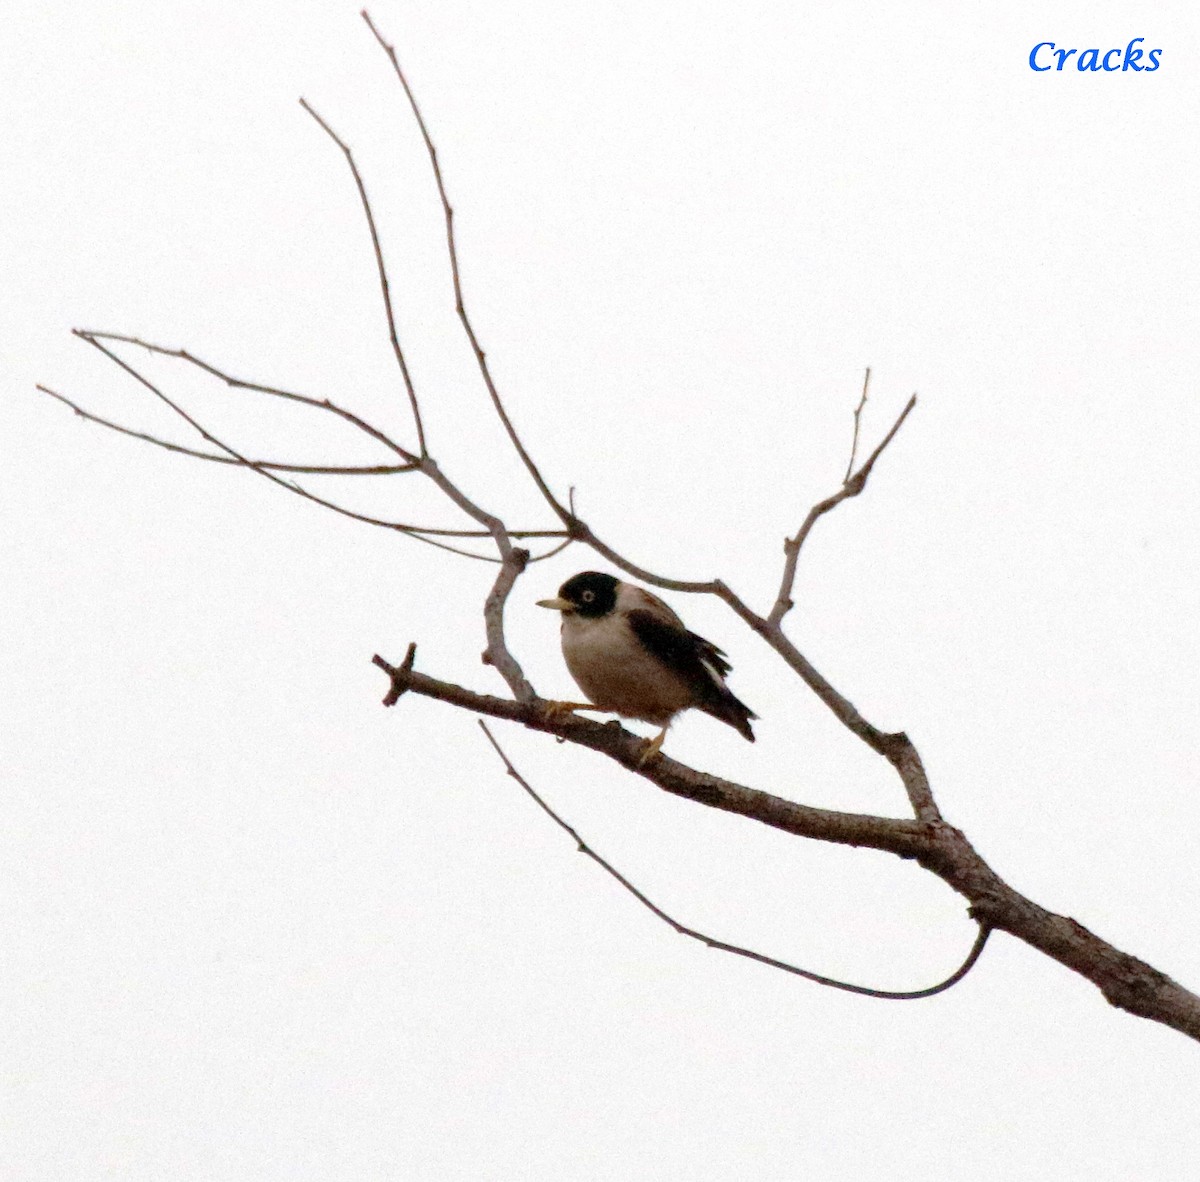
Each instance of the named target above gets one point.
<point>896,748</point>
<point>383,276</point>
<point>427,467</point>
<point>512,564</point>
<point>512,559</point>
<point>274,465</point>
<point>554,550</point>
<point>235,383</point>
<point>585,849</point>
<point>851,487</point>
<point>459,305</point>
<point>291,486</point>
<point>862,402</point>
<point>325,470</point>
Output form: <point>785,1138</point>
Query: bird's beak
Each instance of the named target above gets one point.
<point>557,604</point>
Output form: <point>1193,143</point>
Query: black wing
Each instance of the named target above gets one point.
<point>711,655</point>
<point>698,661</point>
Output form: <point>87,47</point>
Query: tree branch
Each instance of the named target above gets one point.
<point>95,339</point>
<point>384,286</point>
<point>234,383</point>
<point>862,402</point>
<point>1126,982</point>
<point>274,465</point>
<point>852,485</point>
<point>459,305</point>
<point>737,949</point>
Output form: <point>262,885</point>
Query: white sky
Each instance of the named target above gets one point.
<point>256,927</point>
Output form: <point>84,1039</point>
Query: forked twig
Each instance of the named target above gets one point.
<point>96,341</point>
<point>722,945</point>
<point>852,485</point>
<point>411,462</point>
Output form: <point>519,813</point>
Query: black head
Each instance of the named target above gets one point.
<point>591,593</point>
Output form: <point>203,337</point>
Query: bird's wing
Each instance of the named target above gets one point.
<point>697,661</point>
<point>709,653</point>
<point>632,598</point>
<point>671,641</point>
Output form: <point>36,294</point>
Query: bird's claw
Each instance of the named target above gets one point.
<point>558,710</point>
<point>653,749</point>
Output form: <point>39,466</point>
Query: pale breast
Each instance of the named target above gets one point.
<point>616,673</point>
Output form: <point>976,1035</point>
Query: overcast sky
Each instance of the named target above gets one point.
<point>255,926</point>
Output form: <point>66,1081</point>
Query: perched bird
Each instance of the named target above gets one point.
<point>631,654</point>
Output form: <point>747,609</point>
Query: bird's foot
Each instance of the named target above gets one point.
<point>558,710</point>
<point>653,748</point>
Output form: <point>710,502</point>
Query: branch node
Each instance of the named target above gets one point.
<point>398,674</point>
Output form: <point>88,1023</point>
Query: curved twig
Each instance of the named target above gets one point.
<point>981,936</point>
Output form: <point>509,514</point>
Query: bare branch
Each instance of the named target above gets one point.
<point>908,838</point>
<point>862,402</point>
<point>897,748</point>
<point>412,462</point>
<point>512,561</point>
<point>274,465</point>
<point>577,529</point>
<point>383,276</point>
<point>887,994</point>
<point>851,487</point>
<point>1125,981</point>
<point>95,341</point>
<point>235,383</point>
<point>496,654</point>
<point>554,550</point>
<point>911,771</point>
<point>459,305</point>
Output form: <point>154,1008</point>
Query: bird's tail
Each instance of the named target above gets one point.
<point>733,711</point>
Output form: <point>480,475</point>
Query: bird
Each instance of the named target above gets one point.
<point>632,655</point>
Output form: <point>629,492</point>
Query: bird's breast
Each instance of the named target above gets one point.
<point>615,671</point>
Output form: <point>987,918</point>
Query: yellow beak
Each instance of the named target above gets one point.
<point>557,604</point>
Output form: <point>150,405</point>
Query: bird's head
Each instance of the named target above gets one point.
<point>590,594</point>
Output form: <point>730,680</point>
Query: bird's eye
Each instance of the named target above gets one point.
<point>588,596</point>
